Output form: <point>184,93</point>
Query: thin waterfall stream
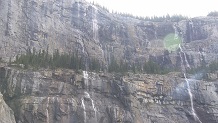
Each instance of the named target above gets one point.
<point>183,63</point>
<point>191,99</point>
<point>184,66</point>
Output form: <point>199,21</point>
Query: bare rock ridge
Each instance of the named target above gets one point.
<point>66,96</point>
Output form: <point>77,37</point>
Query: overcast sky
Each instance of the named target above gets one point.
<point>191,8</point>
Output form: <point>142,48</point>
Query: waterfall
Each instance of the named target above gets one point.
<point>87,96</point>
<point>93,106</point>
<point>78,9</point>
<point>190,28</point>
<point>47,111</point>
<point>185,61</point>
<point>176,35</point>
<point>68,108</point>
<point>86,78</point>
<point>95,24</point>
<point>84,110</point>
<point>184,66</point>
<point>191,99</point>
<point>155,33</point>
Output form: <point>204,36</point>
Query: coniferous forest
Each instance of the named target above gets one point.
<point>42,59</point>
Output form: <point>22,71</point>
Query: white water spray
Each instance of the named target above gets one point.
<point>93,106</point>
<point>78,9</point>
<point>186,61</point>
<point>184,65</point>
<point>86,77</point>
<point>84,110</point>
<point>68,108</point>
<point>47,111</point>
<point>191,99</point>
<point>95,24</point>
<point>187,82</point>
<point>87,95</point>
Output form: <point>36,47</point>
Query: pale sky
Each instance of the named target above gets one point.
<point>190,8</point>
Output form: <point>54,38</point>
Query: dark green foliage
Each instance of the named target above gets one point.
<point>173,18</point>
<point>43,59</point>
<point>204,69</point>
<point>118,67</point>
<point>212,67</point>
<point>113,66</point>
<point>95,65</point>
<point>149,67</point>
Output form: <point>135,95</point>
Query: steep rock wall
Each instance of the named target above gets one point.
<point>67,97</point>
<point>7,115</point>
<point>78,26</point>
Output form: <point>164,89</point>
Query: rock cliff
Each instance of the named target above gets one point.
<point>63,96</point>
<point>7,115</point>
<point>78,26</point>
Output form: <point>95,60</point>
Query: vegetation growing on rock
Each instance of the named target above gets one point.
<point>42,59</point>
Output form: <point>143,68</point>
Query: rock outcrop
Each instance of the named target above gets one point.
<point>78,26</point>
<point>7,115</point>
<point>63,96</point>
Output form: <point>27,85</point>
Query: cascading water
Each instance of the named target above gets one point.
<point>68,107</point>
<point>191,99</point>
<point>95,24</point>
<point>47,111</point>
<point>86,77</point>
<point>93,106</point>
<point>185,58</point>
<point>190,28</point>
<point>84,110</point>
<point>183,63</point>
<point>78,9</point>
<point>87,95</point>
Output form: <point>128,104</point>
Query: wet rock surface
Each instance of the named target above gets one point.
<point>75,25</point>
<point>63,96</point>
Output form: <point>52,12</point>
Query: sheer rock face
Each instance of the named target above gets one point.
<point>66,97</point>
<point>71,25</point>
<point>7,115</point>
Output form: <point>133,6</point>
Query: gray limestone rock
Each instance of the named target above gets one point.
<point>75,25</point>
<point>7,115</point>
<point>49,96</point>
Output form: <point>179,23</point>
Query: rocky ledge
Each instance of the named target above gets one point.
<point>64,96</point>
